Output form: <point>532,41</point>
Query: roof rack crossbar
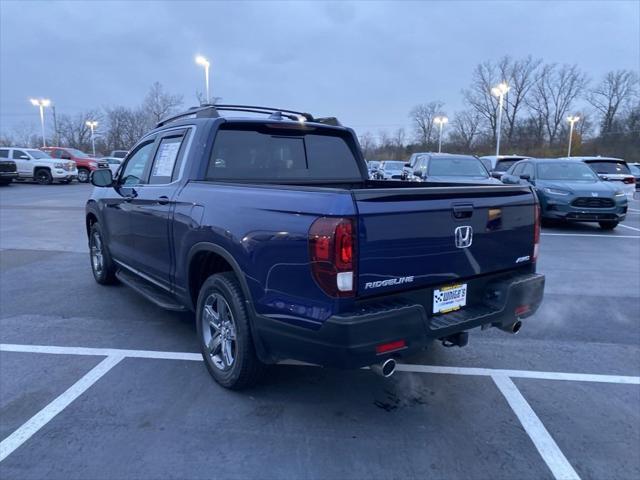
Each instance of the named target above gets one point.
<point>211,111</point>
<point>204,111</point>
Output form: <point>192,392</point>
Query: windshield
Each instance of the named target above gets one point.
<point>612,167</point>
<point>393,165</point>
<point>38,154</point>
<point>457,167</point>
<point>77,153</point>
<point>565,171</point>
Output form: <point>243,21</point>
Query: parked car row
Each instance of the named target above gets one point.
<point>571,189</point>
<point>52,164</point>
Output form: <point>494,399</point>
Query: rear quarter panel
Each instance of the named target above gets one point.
<point>265,229</point>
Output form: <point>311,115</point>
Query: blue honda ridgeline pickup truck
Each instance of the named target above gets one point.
<point>270,230</point>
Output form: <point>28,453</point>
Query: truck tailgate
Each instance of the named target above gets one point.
<point>415,237</point>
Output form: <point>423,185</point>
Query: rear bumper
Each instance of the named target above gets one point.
<point>8,175</point>
<point>349,341</point>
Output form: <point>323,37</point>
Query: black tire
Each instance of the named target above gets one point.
<point>106,275</point>
<point>83,175</point>
<point>43,176</point>
<point>608,225</point>
<point>246,368</point>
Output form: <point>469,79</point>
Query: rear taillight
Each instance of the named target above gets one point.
<point>536,231</point>
<point>332,252</point>
<point>630,180</point>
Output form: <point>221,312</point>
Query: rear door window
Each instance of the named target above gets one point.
<point>4,153</point>
<point>166,164</point>
<point>262,153</point>
<point>17,154</point>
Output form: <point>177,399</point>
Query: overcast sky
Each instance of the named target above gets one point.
<point>366,62</point>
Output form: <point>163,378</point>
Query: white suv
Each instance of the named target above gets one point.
<point>37,165</point>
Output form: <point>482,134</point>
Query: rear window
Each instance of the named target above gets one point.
<point>610,167</point>
<point>263,153</point>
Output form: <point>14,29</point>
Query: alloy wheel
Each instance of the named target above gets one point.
<point>219,331</point>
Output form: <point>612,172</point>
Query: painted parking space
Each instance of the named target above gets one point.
<point>157,408</point>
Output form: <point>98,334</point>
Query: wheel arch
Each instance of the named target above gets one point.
<point>206,249</point>
<point>192,288</point>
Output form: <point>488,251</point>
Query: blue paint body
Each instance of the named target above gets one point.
<point>262,230</point>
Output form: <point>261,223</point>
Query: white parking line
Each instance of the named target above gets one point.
<point>532,374</point>
<point>404,367</point>
<point>543,441</point>
<point>541,438</point>
<point>40,419</point>
<point>631,228</point>
<point>588,235</point>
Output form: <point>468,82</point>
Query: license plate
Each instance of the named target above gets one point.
<point>449,298</point>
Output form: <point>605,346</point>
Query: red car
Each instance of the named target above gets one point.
<point>85,163</point>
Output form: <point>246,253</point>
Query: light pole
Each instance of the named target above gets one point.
<point>200,60</point>
<point>571,119</point>
<point>499,91</point>
<point>41,102</point>
<point>440,121</point>
<point>92,125</point>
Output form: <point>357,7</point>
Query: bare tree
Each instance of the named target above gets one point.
<point>616,91</point>
<point>367,144</point>
<point>553,96</point>
<point>202,99</point>
<point>520,76</point>
<point>25,134</point>
<point>74,132</point>
<point>159,104</point>
<point>466,127</point>
<point>422,119</point>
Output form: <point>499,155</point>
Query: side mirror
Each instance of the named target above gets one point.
<point>418,173</point>
<point>525,177</point>
<point>508,179</point>
<point>65,156</point>
<point>408,165</point>
<point>496,174</point>
<point>102,177</point>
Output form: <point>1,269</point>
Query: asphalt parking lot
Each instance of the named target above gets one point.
<point>95,382</point>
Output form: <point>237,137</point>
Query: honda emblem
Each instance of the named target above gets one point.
<point>464,236</point>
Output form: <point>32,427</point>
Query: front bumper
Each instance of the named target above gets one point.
<point>350,340</point>
<point>61,174</point>
<point>8,175</point>
<point>563,210</point>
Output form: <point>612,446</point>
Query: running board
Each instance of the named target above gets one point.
<point>149,291</point>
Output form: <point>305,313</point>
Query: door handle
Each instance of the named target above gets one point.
<point>163,200</point>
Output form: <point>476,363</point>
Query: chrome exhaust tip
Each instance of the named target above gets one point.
<point>512,328</point>
<point>385,369</point>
